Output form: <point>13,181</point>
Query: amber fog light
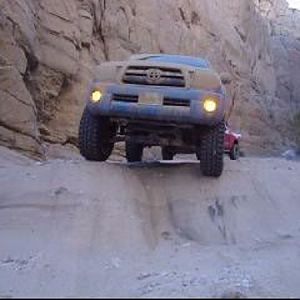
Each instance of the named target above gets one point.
<point>96,96</point>
<point>210,105</point>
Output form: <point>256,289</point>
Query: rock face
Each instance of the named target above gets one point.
<point>284,26</point>
<point>48,49</point>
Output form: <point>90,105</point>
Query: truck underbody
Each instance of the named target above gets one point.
<point>158,133</point>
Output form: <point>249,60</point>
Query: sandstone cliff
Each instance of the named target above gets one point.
<point>284,28</point>
<point>49,47</point>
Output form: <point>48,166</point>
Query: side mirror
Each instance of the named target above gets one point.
<point>226,78</point>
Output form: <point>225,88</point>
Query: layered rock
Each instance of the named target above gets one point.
<point>45,54</point>
<point>284,26</point>
<point>48,49</point>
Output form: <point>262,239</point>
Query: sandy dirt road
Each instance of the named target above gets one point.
<point>71,228</point>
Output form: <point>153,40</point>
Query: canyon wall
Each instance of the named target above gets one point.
<point>48,49</point>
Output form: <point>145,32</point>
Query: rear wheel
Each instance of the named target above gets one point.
<point>234,153</point>
<point>211,151</point>
<point>167,153</point>
<point>95,137</point>
<point>134,152</point>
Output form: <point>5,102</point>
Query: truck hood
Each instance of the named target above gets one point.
<point>204,79</point>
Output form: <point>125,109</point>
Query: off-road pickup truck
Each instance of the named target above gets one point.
<point>173,101</point>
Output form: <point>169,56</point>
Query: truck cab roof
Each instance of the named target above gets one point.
<point>193,61</point>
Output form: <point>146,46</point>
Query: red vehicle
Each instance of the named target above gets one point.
<point>231,143</point>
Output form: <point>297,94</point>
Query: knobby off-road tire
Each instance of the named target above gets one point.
<point>95,135</point>
<point>212,151</point>
<point>167,154</point>
<point>134,152</point>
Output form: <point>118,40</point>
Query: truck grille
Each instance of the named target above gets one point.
<point>159,76</point>
<point>125,98</point>
<point>176,102</point>
<point>167,101</point>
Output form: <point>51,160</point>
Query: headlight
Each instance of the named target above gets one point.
<point>96,96</point>
<point>210,104</point>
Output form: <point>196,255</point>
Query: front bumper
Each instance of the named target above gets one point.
<point>176,111</point>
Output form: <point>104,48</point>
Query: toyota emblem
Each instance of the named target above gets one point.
<point>153,75</point>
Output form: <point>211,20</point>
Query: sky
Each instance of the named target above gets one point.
<point>294,3</point>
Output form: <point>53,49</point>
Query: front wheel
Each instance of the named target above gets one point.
<point>212,151</point>
<point>95,137</point>
<point>134,152</point>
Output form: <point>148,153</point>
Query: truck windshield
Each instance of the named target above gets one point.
<point>182,60</point>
